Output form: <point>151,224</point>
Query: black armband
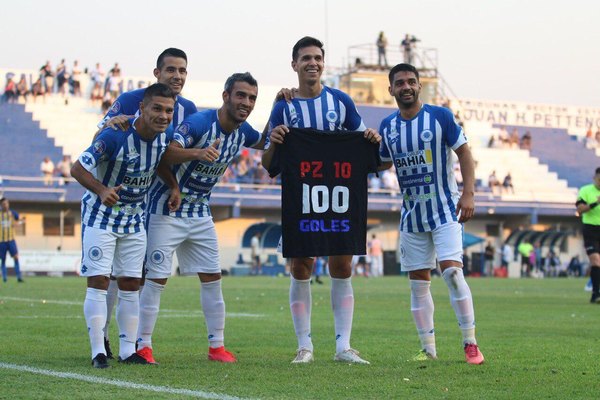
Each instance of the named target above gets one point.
<point>579,201</point>
<point>592,205</point>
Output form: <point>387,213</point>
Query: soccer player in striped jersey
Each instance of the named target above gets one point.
<point>324,108</point>
<point>171,70</point>
<point>419,140</point>
<point>117,171</point>
<point>218,135</point>
<point>8,218</point>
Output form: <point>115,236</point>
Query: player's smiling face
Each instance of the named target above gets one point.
<point>405,88</point>
<point>240,102</point>
<point>157,113</point>
<point>172,73</point>
<point>309,64</point>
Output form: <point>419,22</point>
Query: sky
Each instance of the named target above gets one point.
<point>538,51</point>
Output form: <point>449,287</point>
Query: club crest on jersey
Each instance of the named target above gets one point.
<point>99,147</point>
<point>95,253</point>
<point>331,116</point>
<point>184,129</point>
<point>132,156</point>
<point>157,257</point>
<point>393,136</point>
<point>115,108</point>
<point>426,136</point>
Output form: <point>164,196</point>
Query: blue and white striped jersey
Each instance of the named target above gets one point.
<point>421,150</point>
<point>332,110</point>
<point>129,104</point>
<point>196,179</point>
<point>121,158</point>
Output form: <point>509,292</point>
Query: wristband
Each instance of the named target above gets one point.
<point>592,205</point>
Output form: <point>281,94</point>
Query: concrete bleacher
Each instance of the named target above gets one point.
<point>532,181</point>
<point>23,143</point>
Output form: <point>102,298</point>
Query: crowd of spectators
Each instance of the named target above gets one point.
<point>592,140</point>
<point>502,139</point>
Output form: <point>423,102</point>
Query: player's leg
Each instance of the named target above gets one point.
<point>14,253</point>
<point>97,256</point>
<point>448,244</point>
<point>111,301</point>
<point>591,241</point>
<point>3,250</point>
<point>342,303</point>
<point>200,255</point>
<point>127,267</point>
<point>301,306</point>
<point>418,259</point>
<point>165,233</point>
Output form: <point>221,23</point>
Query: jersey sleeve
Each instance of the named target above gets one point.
<point>275,119</point>
<point>452,132</point>
<point>101,150</point>
<point>384,151</point>
<point>353,121</point>
<point>126,104</point>
<point>251,136</point>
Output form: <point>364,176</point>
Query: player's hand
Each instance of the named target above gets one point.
<point>110,196</point>
<point>465,207</point>
<point>119,122</point>
<point>174,200</point>
<point>372,135</point>
<point>287,94</point>
<point>211,153</point>
<point>278,134</point>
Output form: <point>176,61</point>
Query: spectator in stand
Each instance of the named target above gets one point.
<point>61,78</point>
<point>10,90</point>
<point>503,136</point>
<point>76,78</point>
<point>488,259</point>
<point>597,136</point>
<point>493,182</point>
<point>407,46</point>
<point>590,141</point>
<point>47,77</point>
<point>526,141</point>
<point>261,176</point>
<point>382,43</point>
<point>514,139</point>
<point>47,169</point>
<point>37,89</point>
<point>507,183</point>
<point>115,83</point>
<point>64,170</point>
<point>376,253</point>
<point>389,180</point>
<point>374,183</point>
<point>23,87</point>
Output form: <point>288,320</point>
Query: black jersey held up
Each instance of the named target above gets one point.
<point>324,191</point>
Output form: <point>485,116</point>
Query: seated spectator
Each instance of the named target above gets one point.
<point>503,136</point>
<point>507,183</point>
<point>590,141</point>
<point>526,141</point>
<point>514,139</point>
<point>37,89</point>
<point>575,266</point>
<point>64,170</point>
<point>10,90</point>
<point>493,181</point>
<point>22,87</point>
<point>47,169</point>
<point>492,141</point>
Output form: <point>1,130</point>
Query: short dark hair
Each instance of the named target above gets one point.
<point>597,170</point>
<point>402,67</point>
<point>157,89</point>
<point>239,77</point>
<point>2,199</point>
<point>306,41</point>
<point>170,52</point>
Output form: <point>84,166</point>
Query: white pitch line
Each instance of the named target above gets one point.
<point>184,313</point>
<point>119,383</point>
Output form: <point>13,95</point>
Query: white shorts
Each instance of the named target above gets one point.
<point>418,249</point>
<point>195,240</point>
<point>106,252</point>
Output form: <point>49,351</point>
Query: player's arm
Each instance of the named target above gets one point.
<point>385,165</point>
<point>583,206</point>
<point>176,154</point>
<point>466,203</point>
<point>109,196</point>
<point>276,138</point>
<point>166,174</point>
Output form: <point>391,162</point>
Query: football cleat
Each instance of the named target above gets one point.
<point>349,356</point>
<point>100,361</point>
<point>109,353</point>
<point>220,354</point>
<point>472,354</point>
<point>135,358</point>
<point>146,354</point>
<point>423,355</point>
<point>303,356</point>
